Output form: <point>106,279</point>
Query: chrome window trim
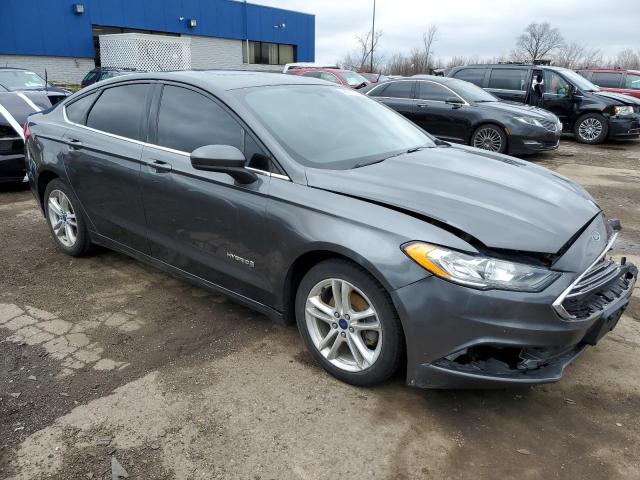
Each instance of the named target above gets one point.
<point>158,147</point>
<point>557,304</point>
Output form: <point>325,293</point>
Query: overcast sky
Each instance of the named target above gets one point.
<point>486,28</point>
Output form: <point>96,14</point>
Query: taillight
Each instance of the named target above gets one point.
<point>26,131</point>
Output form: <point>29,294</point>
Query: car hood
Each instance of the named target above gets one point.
<point>16,106</point>
<point>619,98</point>
<point>503,202</point>
<point>518,109</point>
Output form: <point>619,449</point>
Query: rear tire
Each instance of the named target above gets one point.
<point>489,137</point>
<point>65,220</point>
<point>591,128</point>
<point>361,340</point>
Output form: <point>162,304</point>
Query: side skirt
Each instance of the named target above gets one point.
<point>274,315</point>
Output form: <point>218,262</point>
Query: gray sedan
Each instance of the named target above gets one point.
<point>314,204</point>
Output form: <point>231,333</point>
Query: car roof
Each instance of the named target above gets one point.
<point>609,70</point>
<point>16,68</point>
<point>220,80</point>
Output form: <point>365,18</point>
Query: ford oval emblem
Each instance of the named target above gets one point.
<point>595,236</point>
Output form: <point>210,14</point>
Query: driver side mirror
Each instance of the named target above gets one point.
<point>573,93</point>
<point>223,159</point>
<point>455,101</point>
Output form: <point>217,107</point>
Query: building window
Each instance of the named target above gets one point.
<point>268,53</point>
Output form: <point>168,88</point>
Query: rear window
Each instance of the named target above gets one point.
<point>120,111</point>
<point>77,111</point>
<point>606,79</point>
<point>508,78</point>
<point>473,75</point>
<point>402,89</point>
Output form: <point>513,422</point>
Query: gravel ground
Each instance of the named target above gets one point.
<point>104,358</point>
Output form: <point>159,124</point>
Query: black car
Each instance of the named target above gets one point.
<point>460,112</point>
<point>22,92</point>
<point>584,110</point>
<point>102,73</point>
<point>315,204</point>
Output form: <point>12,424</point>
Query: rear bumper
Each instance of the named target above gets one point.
<point>12,168</point>
<point>624,127</point>
<point>459,337</point>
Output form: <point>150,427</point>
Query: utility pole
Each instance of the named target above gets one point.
<point>373,33</point>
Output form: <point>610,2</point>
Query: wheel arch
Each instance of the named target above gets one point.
<point>308,259</point>
<point>44,178</point>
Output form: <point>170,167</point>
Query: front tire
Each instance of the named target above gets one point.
<point>489,137</point>
<point>348,323</point>
<point>591,128</point>
<point>65,220</point>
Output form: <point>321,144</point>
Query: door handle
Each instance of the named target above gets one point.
<point>74,144</point>
<point>160,166</point>
<point>423,105</point>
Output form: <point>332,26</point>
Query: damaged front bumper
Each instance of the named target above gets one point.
<point>459,337</point>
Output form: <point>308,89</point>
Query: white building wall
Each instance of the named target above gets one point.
<point>59,69</point>
<point>208,53</point>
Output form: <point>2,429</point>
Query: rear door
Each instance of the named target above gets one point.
<point>204,223</point>
<point>102,160</point>
<point>399,95</point>
<point>437,117</point>
<point>509,83</point>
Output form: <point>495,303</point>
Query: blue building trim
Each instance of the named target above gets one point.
<point>51,28</point>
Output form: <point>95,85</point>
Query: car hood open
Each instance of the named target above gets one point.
<point>503,202</point>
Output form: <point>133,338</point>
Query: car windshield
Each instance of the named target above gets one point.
<point>578,80</point>
<point>332,127</point>
<point>353,79</point>
<point>470,92</point>
<point>21,80</point>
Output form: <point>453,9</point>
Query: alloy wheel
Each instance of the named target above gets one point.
<point>488,139</point>
<point>590,129</point>
<point>62,218</point>
<point>343,325</point>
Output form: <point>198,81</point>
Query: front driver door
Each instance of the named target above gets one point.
<point>444,120</point>
<point>557,98</point>
<point>204,223</point>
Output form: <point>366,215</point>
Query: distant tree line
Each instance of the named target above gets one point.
<point>538,41</point>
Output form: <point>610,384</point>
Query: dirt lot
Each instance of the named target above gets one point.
<point>105,358</point>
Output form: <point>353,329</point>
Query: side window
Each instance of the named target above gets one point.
<point>329,77</point>
<point>188,120</point>
<point>311,74</point>
<point>90,77</point>
<point>607,80</point>
<point>585,74</point>
<point>77,111</point>
<point>378,91</point>
<point>120,110</point>
<point>508,78</point>
<point>554,84</point>
<point>433,91</point>
<point>401,89</point>
<point>473,75</point>
<point>632,82</point>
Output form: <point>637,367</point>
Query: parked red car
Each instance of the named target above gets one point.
<point>614,80</point>
<point>348,78</point>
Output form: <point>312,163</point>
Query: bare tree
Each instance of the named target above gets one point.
<point>627,59</point>
<point>573,55</point>
<point>359,59</point>
<point>537,41</point>
<point>429,36</point>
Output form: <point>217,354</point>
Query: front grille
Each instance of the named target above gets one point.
<point>549,125</point>
<point>603,283</point>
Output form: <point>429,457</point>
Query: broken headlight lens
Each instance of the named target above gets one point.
<point>478,271</point>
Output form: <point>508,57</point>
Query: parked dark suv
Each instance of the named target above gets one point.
<point>592,115</point>
<point>102,73</point>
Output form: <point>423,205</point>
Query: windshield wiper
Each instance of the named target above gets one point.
<point>404,152</point>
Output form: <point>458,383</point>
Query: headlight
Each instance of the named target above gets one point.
<point>478,271</point>
<point>529,121</point>
<point>625,110</point>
